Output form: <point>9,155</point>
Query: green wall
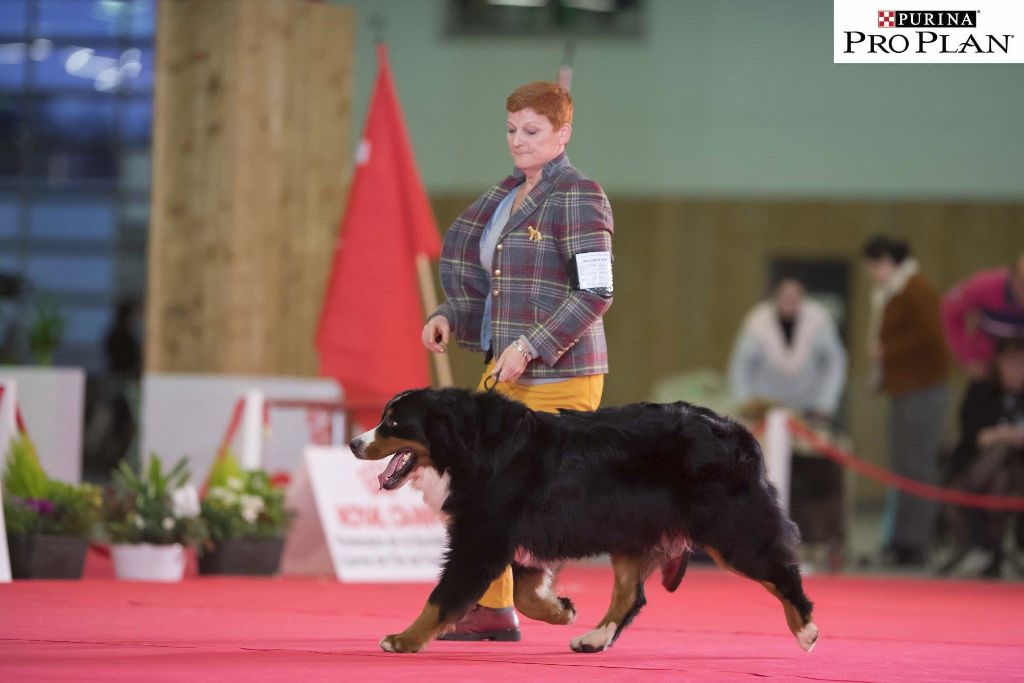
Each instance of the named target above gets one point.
<point>721,98</point>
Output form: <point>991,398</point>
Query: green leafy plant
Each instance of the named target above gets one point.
<point>225,468</point>
<point>242,504</point>
<point>46,329</point>
<point>153,506</point>
<point>23,473</point>
<point>36,504</point>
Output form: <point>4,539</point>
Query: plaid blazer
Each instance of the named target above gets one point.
<point>566,213</point>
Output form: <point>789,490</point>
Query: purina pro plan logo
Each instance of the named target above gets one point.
<point>985,32</point>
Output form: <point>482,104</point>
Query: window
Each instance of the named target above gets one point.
<point>568,18</point>
<point>76,79</point>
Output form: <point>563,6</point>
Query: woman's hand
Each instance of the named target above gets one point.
<point>435,334</point>
<point>510,366</point>
<point>1008,434</point>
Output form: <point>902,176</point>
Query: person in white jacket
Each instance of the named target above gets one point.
<point>788,352</point>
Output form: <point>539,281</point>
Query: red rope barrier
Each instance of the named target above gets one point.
<point>912,486</point>
<point>229,434</point>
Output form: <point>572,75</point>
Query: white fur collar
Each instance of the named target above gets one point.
<point>880,296</point>
<point>763,323</point>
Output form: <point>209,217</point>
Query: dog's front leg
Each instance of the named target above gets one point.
<point>477,555</point>
<point>413,639</point>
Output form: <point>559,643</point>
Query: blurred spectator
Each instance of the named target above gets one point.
<point>990,455</point>
<point>788,352</point>
<point>122,343</point>
<point>112,398</point>
<point>983,308</point>
<point>911,365</point>
<point>11,287</point>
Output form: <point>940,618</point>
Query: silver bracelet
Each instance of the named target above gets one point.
<point>519,347</point>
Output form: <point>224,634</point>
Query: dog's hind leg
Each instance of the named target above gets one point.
<point>781,579</point>
<point>627,600</point>
<point>535,598</point>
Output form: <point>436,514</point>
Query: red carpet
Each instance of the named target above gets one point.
<point>716,627</point>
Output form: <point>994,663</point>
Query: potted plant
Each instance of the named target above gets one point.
<point>46,329</point>
<point>247,521</point>
<point>48,522</point>
<point>150,518</point>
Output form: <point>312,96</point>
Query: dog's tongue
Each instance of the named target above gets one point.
<point>390,469</point>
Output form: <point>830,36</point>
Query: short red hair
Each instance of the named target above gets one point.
<point>544,97</point>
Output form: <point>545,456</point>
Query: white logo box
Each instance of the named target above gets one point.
<point>916,32</point>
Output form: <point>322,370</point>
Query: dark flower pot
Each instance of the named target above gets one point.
<point>46,556</point>
<point>250,556</point>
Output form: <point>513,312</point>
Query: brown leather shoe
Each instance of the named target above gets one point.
<point>486,623</point>
<point>673,570</point>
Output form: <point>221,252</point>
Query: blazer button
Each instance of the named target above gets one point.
<point>496,292</point>
<point>497,271</point>
<point>500,247</point>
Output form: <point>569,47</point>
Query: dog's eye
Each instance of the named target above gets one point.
<point>392,422</point>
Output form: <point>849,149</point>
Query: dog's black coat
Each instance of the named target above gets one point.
<point>618,480</point>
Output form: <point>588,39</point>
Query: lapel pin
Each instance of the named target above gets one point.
<point>533,233</point>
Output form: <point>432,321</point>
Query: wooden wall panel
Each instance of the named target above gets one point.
<point>251,165</point>
<point>687,271</point>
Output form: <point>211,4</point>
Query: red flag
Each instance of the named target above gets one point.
<point>369,333</point>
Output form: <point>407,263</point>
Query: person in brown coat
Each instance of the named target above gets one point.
<point>911,364</point>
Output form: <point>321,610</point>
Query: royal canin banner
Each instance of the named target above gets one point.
<point>372,535</point>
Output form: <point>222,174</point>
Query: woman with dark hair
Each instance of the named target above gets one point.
<point>911,364</point>
<point>990,455</point>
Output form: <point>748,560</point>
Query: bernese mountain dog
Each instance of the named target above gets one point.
<point>641,482</point>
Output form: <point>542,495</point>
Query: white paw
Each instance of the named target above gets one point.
<point>807,636</point>
<point>386,645</point>
<point>595,641</point>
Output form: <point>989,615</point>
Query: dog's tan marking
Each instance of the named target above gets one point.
<point>383,447</point>
<point>413,639</point>
<point>534,597</point>
<point>805,630</point>
<point>720,561</point>
<point>629,573</point>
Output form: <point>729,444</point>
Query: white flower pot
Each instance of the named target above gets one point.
<point>148,562</point>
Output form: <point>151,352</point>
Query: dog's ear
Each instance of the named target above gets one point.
<point>450,428</point>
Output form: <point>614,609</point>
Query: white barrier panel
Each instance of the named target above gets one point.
<point>187,414</point>
<point>8,429</point>
<point>372,535</point>
<point>52,401</point>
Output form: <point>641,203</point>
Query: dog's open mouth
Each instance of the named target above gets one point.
<point>398,468</point>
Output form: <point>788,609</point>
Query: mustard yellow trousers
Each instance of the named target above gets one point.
<point>575,393</point>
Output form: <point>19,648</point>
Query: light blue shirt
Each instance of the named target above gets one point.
<point>488,240</point>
